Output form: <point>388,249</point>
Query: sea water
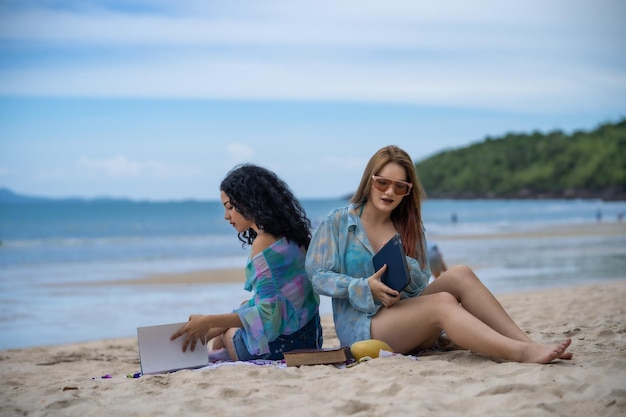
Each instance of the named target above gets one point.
<point>56,258</point>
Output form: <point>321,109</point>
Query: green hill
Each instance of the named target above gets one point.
<point>553,165</point>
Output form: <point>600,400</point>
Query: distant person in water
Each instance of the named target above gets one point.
<point>435,259</point>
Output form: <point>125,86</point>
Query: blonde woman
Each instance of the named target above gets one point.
<point>388,201</point>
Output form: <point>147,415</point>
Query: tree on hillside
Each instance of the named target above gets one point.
<point>583,164</point>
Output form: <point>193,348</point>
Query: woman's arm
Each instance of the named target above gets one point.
<point>205,327</point>
<point>419,278</point>
<point>324,261</point>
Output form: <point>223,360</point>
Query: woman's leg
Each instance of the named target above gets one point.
<point>218,342</point>
<point>416,322</point>
<point>227,339</point>
<point>220,349</point>
<point>469,290</point>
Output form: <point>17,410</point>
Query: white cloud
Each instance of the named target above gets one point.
<point>343,163</point>
<point>239,153</point>
<point>529,56</point>
<point>357,23</point>
<point>515,84</point>
<point>122,167</point>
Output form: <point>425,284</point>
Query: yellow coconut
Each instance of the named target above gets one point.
<point>370,347</point>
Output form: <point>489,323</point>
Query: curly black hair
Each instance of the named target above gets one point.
<point>260,196</point>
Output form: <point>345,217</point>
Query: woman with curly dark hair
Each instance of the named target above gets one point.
<point>283,312</point>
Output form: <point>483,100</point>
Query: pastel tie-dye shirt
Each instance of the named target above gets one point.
<point>339,262</point>
<point>283,299</point>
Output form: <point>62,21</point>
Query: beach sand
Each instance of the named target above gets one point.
<point>67,380</point>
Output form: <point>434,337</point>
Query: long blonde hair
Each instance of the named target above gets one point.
<point>407,217</point>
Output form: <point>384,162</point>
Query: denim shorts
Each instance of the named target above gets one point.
<point>308,337</point>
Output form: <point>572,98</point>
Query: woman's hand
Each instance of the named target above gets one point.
<point>387,296</point>
<point>197,328</point>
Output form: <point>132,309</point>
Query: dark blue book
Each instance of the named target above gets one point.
<point>397,275</point>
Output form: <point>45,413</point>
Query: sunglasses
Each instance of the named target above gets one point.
<point>399,187</point>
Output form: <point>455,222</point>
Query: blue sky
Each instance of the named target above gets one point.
<point>153,99</point>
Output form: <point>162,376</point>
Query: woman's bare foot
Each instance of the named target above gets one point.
<point>539,353</point>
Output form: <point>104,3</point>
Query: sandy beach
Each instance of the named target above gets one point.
<point>68,379</point>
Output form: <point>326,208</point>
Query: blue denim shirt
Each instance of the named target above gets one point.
<point>339,262</point>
